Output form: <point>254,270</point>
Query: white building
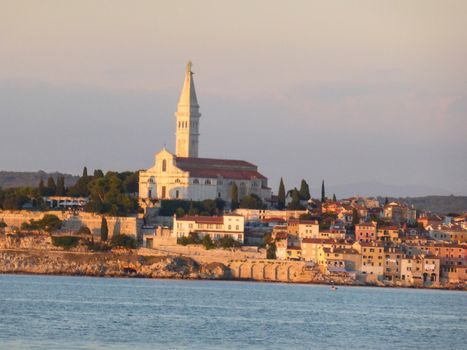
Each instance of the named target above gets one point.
<point>184,175</point>
<point>215,226</point>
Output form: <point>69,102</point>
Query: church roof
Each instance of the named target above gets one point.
<point>213,168</point>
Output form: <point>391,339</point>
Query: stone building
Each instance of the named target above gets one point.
<point>228,225</point>
<point>184,175</point>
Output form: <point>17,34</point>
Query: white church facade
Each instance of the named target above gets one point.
<point>184,175</point>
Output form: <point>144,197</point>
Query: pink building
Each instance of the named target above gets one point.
<point>365,232</point>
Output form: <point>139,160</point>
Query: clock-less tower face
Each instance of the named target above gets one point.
<point>187,134</point>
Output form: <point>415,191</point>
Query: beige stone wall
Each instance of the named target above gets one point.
<point>117,225</point>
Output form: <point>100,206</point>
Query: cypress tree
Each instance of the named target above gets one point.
<point>85,172</point>
<point>281,195</point>
<point>60,190</point>
<point>104,229</point>
<point>304,191</point>
<point>334,199</point>
<point>323,193</point>
<point>234,196</point>
<point>51,186</point>
<point>41,187</point>
<point>355,217</point>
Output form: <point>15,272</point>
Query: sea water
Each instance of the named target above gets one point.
<point>56,312</point>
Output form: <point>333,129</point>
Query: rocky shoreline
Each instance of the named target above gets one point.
<point>35,254</point>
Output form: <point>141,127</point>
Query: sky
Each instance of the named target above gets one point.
<point>358,93</point>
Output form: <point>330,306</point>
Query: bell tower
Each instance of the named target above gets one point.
<point>187,134</point>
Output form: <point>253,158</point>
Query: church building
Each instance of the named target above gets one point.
<point>184,175</point>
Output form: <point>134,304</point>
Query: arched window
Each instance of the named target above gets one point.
<point>177,181</point>
<point>207,182</point>
<point>164,165</point>
<point>195,181</point>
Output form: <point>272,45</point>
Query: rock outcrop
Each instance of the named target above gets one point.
<point>106,264</point>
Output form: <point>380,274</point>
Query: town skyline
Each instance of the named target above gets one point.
<point>298,105</point>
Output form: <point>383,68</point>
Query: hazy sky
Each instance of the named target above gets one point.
<point>348,91</point>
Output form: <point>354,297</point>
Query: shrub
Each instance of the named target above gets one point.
<point>228,242</point>
<point>271,252</point>
<point>84,230</point>
<point>192,238</point>
<point>207,242</point>
<point>124,241</point>
<point>66,242</point>
<point>48,223</point>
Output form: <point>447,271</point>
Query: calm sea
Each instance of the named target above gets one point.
<point>47,312</point>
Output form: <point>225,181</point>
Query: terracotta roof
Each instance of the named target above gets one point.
<point>317,240</point>
<point>212,168</point>
<point>301,221</point>
<point>282,235</point>
<point>203,219</point>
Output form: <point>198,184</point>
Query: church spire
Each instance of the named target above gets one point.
<point>187,134</point>
<point>188,95</point>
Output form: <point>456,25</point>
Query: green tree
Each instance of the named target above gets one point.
<point>234,196</point>
<point>48,223</point>
<point>51,223</point>
<point>271,251</point>
<point>193,210</point>
<point>228,242</point>
<point>323,193</point>
<point>207,242</point>
<point>180,212</point>
<point>41,188</point>
<point>84,230</point>
<point>355,217</point>
<point>281,195</point>
<point>306,216</point>
<point>104,229</point>
<point>251,201</point>
<point>60,191</point>
<point>295,203</point>
<point>304,190</point>
<point>334,199</point>
<point>85,172</point>
<point>98,173</point>
<point>123,241</point>
<point>51,187</point>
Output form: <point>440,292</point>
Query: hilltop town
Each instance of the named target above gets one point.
<point>193,217</point>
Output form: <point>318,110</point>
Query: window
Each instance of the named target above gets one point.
<point>163,192</point>
<point>196,182</point>
<point>177,181</point>
<point>207,182</point>
<point>176,194</point>
<point>164,165</point>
